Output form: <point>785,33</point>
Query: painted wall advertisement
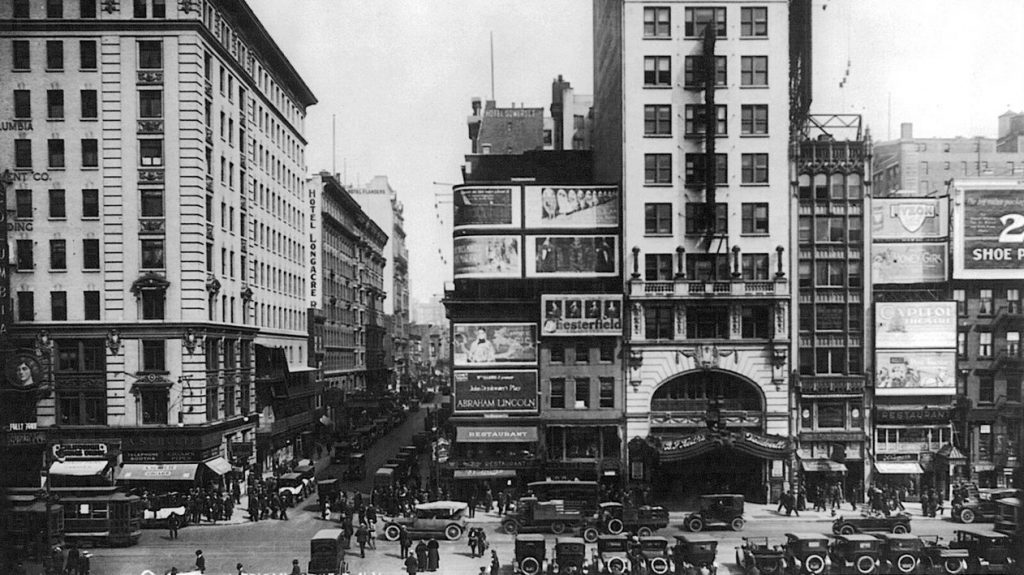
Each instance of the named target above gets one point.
<point>550,256</point>
<point>496,391</point>
<point>488,344</point>
<point>487,257</point>
<point>895,219</point>
<point>486,207</point>
<point>915,372</point>
<point>989,233</point>
<point>581,315</point>
<point>572,207</point>
<point>906,325</point>
<point>908,263</point>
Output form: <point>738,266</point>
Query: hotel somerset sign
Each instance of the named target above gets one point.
<point>494,391</point>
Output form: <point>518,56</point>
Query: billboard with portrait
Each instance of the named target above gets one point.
<point>553,256</point>
<point>896,219</point>
<point>908,263</point>
<point>23,371</point>
<point>581,314</point>
<point>572,207</point>
<point>492,391</point>
<point>918,324</point>
<point>988,239</point>
<point>487,257</point>
<point>491,344</point>
<point>915,372</point>
<point>486,207</point>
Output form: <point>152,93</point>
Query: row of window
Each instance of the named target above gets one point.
<point>831,317</point>
<point>150,55</point>
<point>56,157</point>
<point>88,105</point>
<point>987,302</point>
<point>830,187</point>
<point>985,347</point>
<point>58,305</point>
<point>658,120</point>
<point>658,21</point>
<point>658,218</point>
<point>59,254</point>
<point>707,267</point>
<point>658,71</point>
<point>56,9</point>
<point>753,169</point>
<point>831,414</point>
<point>580,351</point>
<point>575,392</point>
<point>831,361</point>
<point>707,322</point>
<point>987,388</point>
<point>57,207</point>
<point>831,273</point>
<point>830,229</point>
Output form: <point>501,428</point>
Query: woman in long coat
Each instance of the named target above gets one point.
<point>421,555</point>
<point>433,554</point>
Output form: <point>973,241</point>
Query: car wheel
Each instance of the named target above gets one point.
<point>695,524</point>
<point>590,534</point>
<point>901,528</point>
<point>906,563</point>
<point>617,565</point>
<point>644,532</point>
<point>865,564</point>
<point>659,565</point>
<point>511,526</point>
<point>614,526</point>
<point>452,532</point>
<point>967,516</point>
<point>815,564</point>
<point>558,527</point>
<point>770,567</point>
<point>847,529</point>
<point>954,566</point>
<point>737,524</point>
<point>392,532</point>
<point>530,566</point>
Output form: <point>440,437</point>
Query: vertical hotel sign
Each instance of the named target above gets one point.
<point>314,245</point>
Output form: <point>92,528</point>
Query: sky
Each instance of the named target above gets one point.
<point>397,77</point>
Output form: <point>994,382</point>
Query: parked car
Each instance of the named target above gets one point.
<point>757,552</point>
<point>696,550</point>
<point>570,556</point>
<point>355,467</point>
<point>941,559</point>
<point>533,515</point>
<point>855,554</point>
<point>988,552</point>
<point>1010,514</point>
<point>531,554</point>
<point>719,509</point>
<point>806,553</point>
<point>868,521</point>
<point>444,518</point>
<point>980,505</point>
<point>902,553</point>
<point>329,490</point>
<point>327,553</point>
<point>655,553</point>
<point>614,518</point>
<point>612,555</point>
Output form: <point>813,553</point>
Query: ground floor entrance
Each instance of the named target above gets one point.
<point>676,484</point>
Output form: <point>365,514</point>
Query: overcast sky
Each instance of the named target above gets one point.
<point>398,75</point>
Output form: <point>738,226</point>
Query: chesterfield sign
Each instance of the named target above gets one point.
<point>506,391</point>
<point>575,315</point>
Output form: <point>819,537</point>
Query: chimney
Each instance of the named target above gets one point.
<point>907,131</point>
<point>476,106</point>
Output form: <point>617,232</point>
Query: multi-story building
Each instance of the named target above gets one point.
<point>157,211</point>
<point>571,120</point>
<point>692,114</point>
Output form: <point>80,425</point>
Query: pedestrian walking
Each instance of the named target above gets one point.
<point>362,537</point>
<point>200,561</point>
<point>372,535</point>
<point>325,513</point>
<point>71,564</point>
<point>495,564</point>
<point>421,555</point>
<point>283,516</point>
<point>404,541</point>
<point>472,539</point>
<point>172,525</point>
<point>472,504</point>
<point>411,565</point>
<point>296,570</point>
<point>433,554</point>
<point>238,567</point>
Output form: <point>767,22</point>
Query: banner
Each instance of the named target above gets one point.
<point>572,207</point>
<point>989,238</point>
<point>486,207</point>
<point>581,315</point>
<point>487,257</point>
<point>909,219</point>
<point>907,325</point>
<point>908,263</point>
<point>496,392</point>
<point>580,256</point>
<point>494,344</point>
<point>915,372</point>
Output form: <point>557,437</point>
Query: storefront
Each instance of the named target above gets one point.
<point>499,457</point>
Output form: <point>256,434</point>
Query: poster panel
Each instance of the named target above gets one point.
<point>493,391</point>
<point>579,314</point>
<point>487,257</point>
<point>487,344</point>
<point>908,263</point>
<point>989,238</point>
<point>486,207</point>
<point>572,207</point>
<point>896,219</point>
<point>908,325</point>
<point>915,372</point>
<point>576,256</point>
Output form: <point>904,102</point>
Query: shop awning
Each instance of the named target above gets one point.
<point>951,453</point>
<point>483,473</point>
<point>158,472</point>
<point>898,468</point>
<point>83,468</point>
<point>496,434</point>
<point>822,465</point>
<point>219,465</point>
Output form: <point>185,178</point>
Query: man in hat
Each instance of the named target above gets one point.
<point>200,561</point>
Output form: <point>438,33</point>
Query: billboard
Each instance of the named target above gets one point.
<point>908,263</point>
<point>487,257</point>
<point>486,207</point>
<point>988,240</point>
<point>578,256</point>
<point>918,324</point>
<point>915,372</point>
<point>581,315</point>
<point>895,219</point>
<point>572,207</point>
<point>488,344</point>
<point>506,391</point>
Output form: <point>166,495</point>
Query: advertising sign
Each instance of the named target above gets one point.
<point>489,344</point>
<point>23,371</point>
<point>907,325</point>
<point>915,372</point>
<point>487,257</point>
<point>581,315</point>
<point>895,219</point>
<point>486,207</point>
<point>908,263</point>
<point>550,256</point>
<point>989,235</point>
<point>572,207</point>
<point>314,246</point>
<point>496,392</point>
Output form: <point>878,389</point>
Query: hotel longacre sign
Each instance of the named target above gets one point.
<point>575,315</point>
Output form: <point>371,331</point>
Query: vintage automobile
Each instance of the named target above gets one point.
<point>939,558</point>
<point>980,506</point>
<point>696,550</point>
<point>329,490</point>
<point>1009,515</point>
<point>857,553</point>
<point>531,554</point>
<point>292,488</point>
<point>570,556</point>
<point>757,552</point>
<point>988,552</point>
<point>612,554</point>
<point>533,515</point>
<point>871,521</point>
<point>902,553</point>
<point>157,509</point>
<point>655,553</point>
<point>342,449</point>
<point>445,518</point>
<point>806,553</point>
<point>384,478</point>
<point>355,467</point>
<point>327,553</point>
<point>614,518</point>
<point>720,509</point>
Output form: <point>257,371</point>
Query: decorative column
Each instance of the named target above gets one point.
<point>779,273</point>
<point>636,263</point>
<point>680,256</point>
<point>735,262</point>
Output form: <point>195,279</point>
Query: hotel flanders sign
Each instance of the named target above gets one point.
<point>506,391</point>
<point>988,239</point>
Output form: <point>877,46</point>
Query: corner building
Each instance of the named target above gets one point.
<point>706,227</point>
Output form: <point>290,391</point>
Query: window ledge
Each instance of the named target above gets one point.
<point>658,184</point>
<point>755,135</point>
<point>92,119</point>
<point>657,87</point>
<point>91,270</point>
<point>54,69</point>
<point>756,235</point>
<point>765,37</point>
<point>657,37</point>
<point>56,168</point>
<point>90,219</point>
<point>659,235</point>
<point>701,37</point>
<point>755,87</point>
<point>658,136</point>
<point>61,271</point>
<point>755,185</point>
<point>57,218</point>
